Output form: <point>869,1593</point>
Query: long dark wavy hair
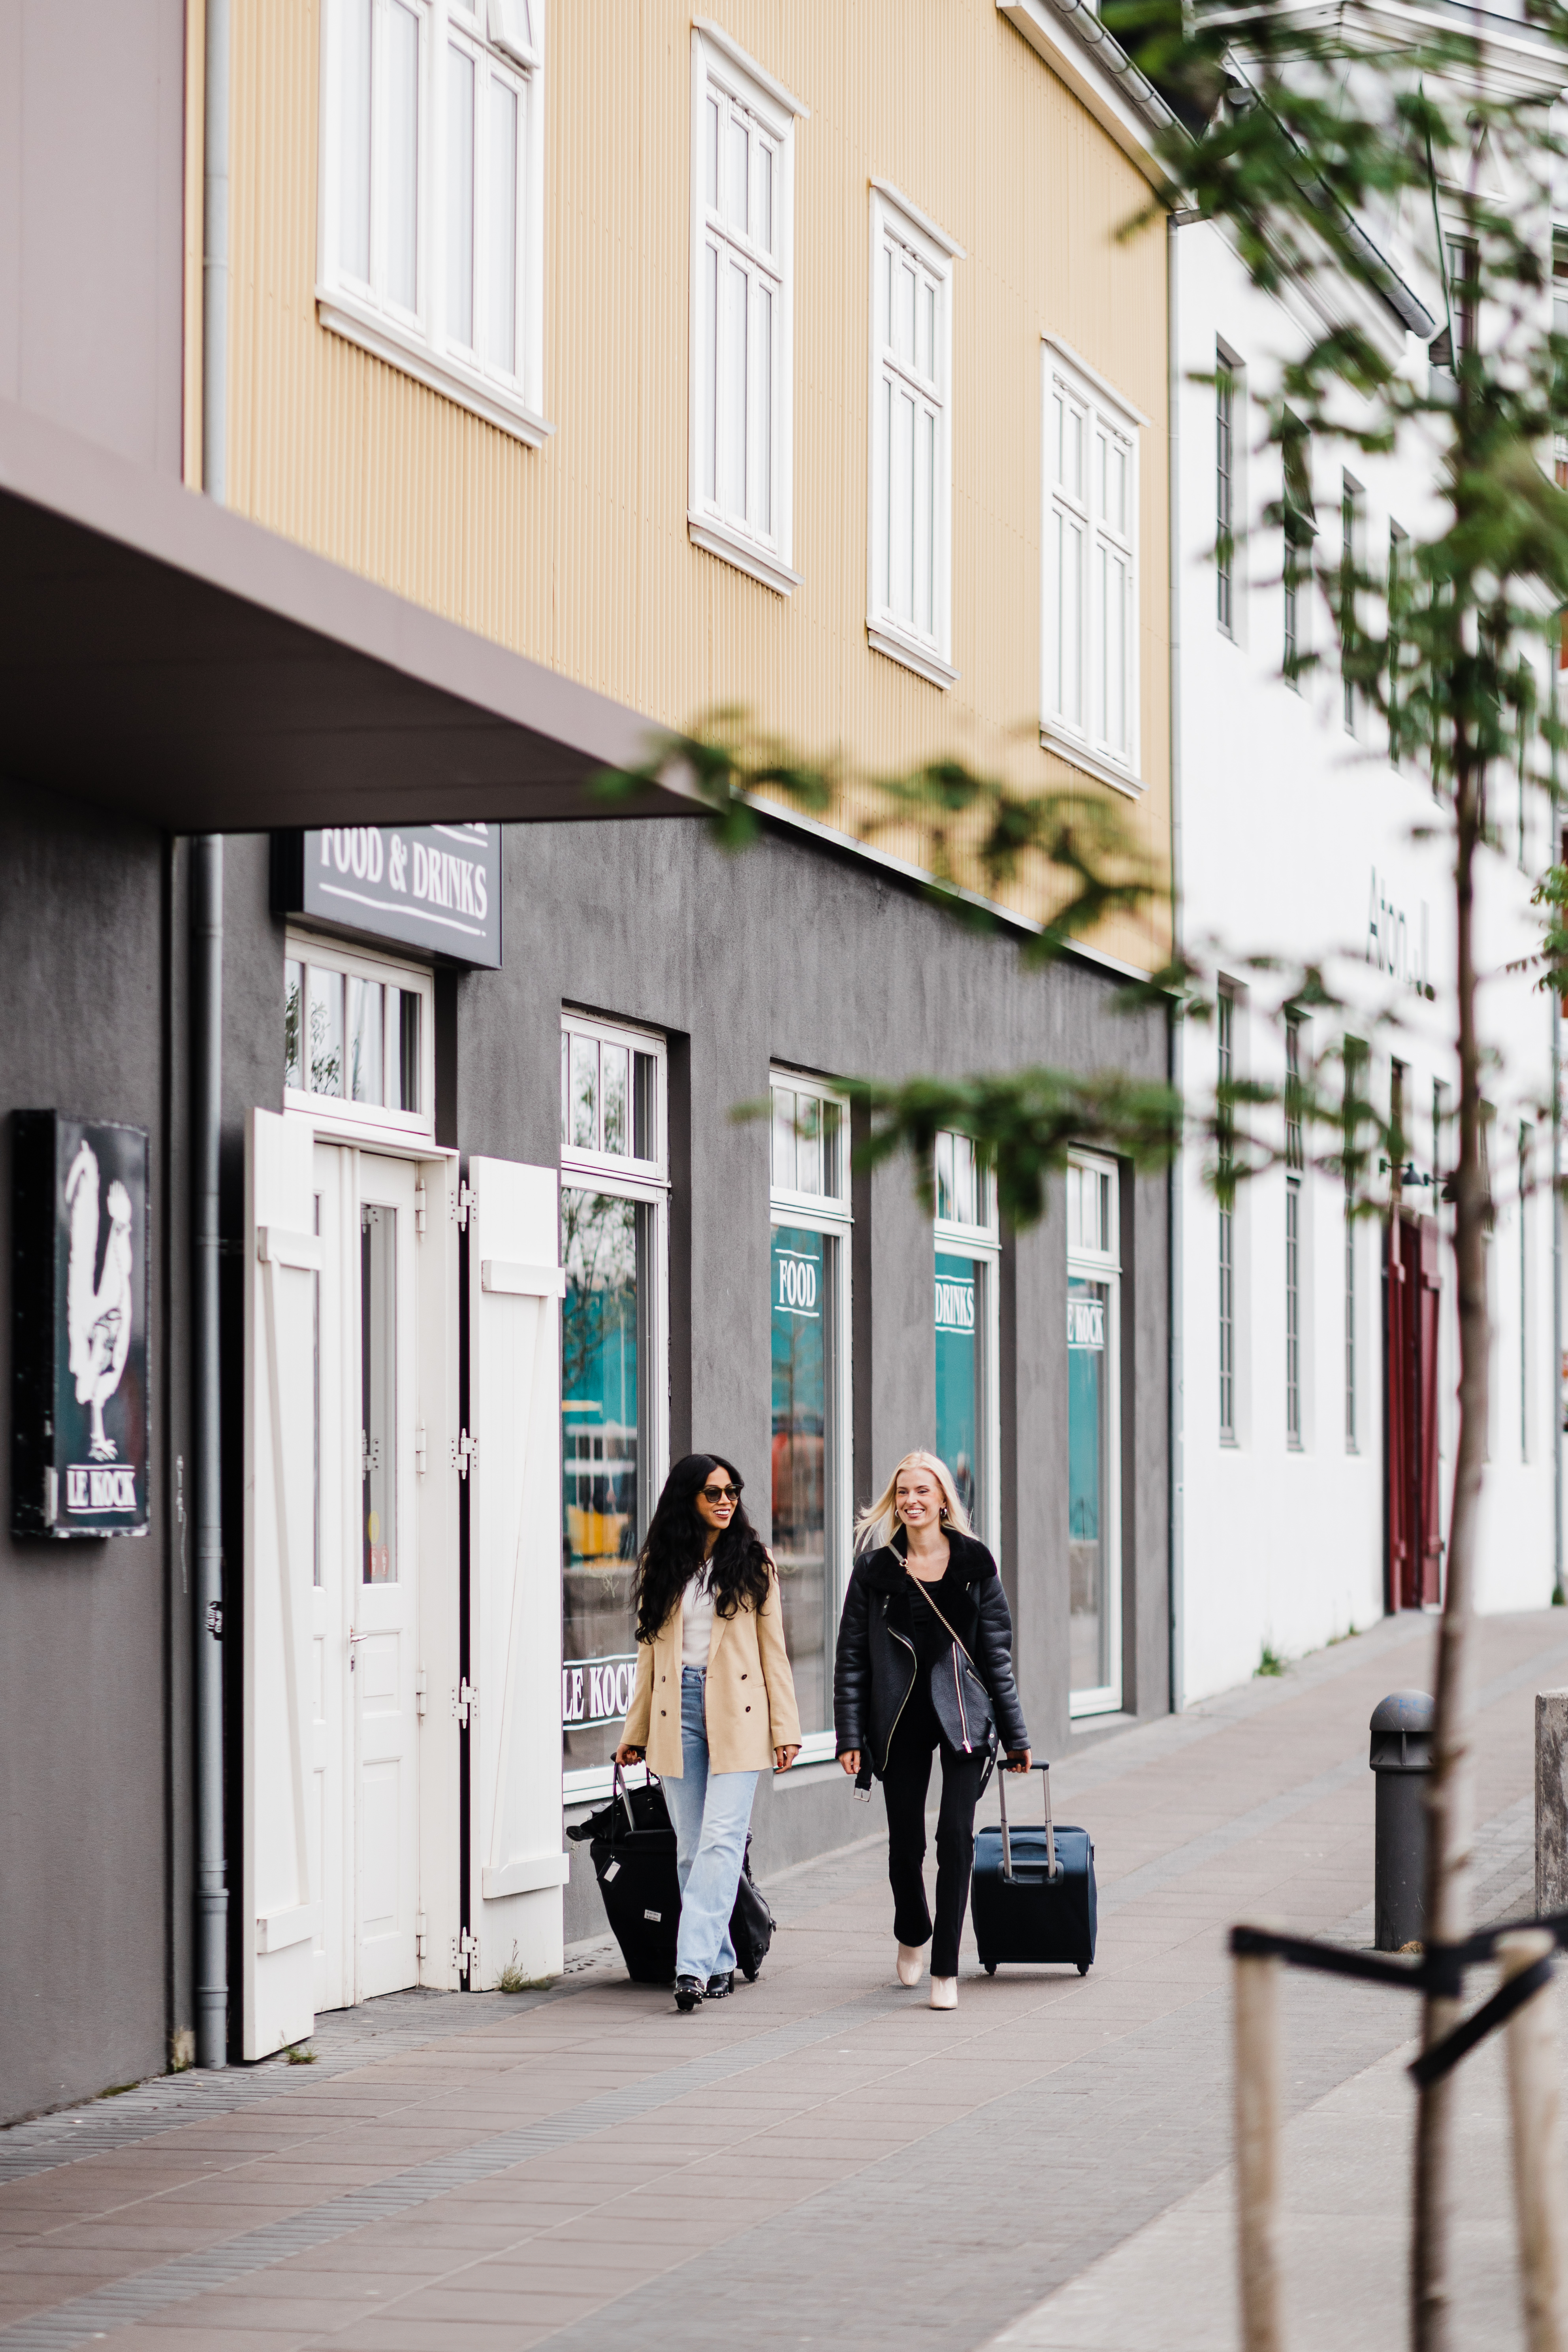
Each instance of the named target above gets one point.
<point>738,1570</point>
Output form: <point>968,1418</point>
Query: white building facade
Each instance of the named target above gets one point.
<point>1316,1353</point>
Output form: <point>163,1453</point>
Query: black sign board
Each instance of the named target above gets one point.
<point>79,1353</point>
<point>436,887</point>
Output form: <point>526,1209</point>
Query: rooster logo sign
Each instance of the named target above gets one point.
<point>98,1307</point>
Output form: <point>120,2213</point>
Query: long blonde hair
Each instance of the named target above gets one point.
<point>877,1524</point>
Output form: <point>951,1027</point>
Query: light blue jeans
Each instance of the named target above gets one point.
<point>711,1812</point>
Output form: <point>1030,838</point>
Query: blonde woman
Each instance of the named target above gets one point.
<point>925,1663</point>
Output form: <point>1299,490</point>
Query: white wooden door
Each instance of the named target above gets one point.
<point>334,1520</point>
<point>384,1584</point>
<point>517,1864</point>
<point>278,1916</point>
<point>364,1598</point>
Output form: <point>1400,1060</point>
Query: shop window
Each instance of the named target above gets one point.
<point>911,440</point>
<point>430,239</point>
<point>1094,1435</point>
<point>967,1256</point>
<point>808,1278</point>
<point>614,1380</point>
<point>358,1039</point>
<point>742,277</point>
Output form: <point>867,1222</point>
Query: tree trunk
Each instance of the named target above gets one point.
<point>1450,1791</point>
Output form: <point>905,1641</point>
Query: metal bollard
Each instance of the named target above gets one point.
<point>1401,1758</point>
<point>1550,1802</point>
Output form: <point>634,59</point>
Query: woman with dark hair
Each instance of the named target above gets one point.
<point>713,1704</point>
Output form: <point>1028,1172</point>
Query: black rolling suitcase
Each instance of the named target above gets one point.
<point>632,1844</point>
<point>1032,1897</point>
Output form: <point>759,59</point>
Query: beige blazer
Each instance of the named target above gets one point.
<point>749,1697</point>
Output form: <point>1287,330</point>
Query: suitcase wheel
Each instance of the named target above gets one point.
<point>989,1966</point>
<point>1083,1967</point>
<point>751,1975</point>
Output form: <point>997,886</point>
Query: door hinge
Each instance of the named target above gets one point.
<point>421,1935</point>
<point>465,1449</point>
<point>466,1954</point>
<point>421,1453</point>
<point>421,1692</point>
<point>421,1203</point>
<point>466,1702</point>
<point>462,1201</point>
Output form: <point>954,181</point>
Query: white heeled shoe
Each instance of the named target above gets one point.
<point>944,1993</point>
<point>910,1964</point>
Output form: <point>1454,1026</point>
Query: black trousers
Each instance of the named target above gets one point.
<point>904,1786</point>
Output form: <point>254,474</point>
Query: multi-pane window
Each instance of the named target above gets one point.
<point>808,1308</point>
<point>967,1257</point>
<point>429,247</point>
<point>614,1390</point>
<point>358,1038</point>
<point>742,212</point>
<point>1090,604</point>
<point>1224,488</point>
<point>912,496</point>
<point>1094,1438</point>
<point>1300,530</point>
<point>1526,1147</point>
<point>1355,1068</point>
<point>1349,560</point>
<point>1293,1167</point>
<point>1225,1193</point>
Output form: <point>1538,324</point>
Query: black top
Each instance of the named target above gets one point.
<point>931,1637</point>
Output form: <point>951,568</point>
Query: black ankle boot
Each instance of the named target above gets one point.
<point>689,1991</point>
<point>719,1988</point>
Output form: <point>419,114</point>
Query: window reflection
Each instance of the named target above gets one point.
<point>378,1392</point>
<point>1089,1468</point>
<point>802,1345</point>
<point>603,1250</point>
<point>958,1331</point>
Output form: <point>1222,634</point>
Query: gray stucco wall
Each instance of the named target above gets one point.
<point>91,218</point>
<point>791,954</point>
<point>86,1637</point>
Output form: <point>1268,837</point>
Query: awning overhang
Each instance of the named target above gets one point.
<point>173,662</point>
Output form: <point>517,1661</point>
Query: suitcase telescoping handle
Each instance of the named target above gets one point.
<point>1053,1867</point>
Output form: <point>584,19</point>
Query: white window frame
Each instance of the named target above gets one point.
<point>333,1115</point>
<point>646,1181</point>
<point>723,73</point>
<point>1105,1265</point>
<point>982,1241</point>
<point>898,229</point>
<point>826,1213</point>
<point>1104,411</point>
<point>505,39</point>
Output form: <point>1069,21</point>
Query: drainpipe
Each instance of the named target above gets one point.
<point>1178,1172</point>
<point>206,1100</point>
<point>206,1080</point>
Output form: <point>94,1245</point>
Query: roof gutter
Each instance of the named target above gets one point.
<point>1140,92</point>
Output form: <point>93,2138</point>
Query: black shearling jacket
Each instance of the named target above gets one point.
<point>874,1671</point>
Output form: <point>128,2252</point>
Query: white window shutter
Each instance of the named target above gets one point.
<point>515,1287</point>
<point>278,1894</point>
<point>511,28</point>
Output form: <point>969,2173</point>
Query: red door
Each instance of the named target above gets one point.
<point>1415,1290</point>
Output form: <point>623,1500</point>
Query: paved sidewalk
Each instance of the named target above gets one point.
<point>822,2160</point>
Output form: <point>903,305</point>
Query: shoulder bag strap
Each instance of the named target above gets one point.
<point>927,1592</point>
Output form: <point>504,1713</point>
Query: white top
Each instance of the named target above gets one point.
<point>696,1621</point>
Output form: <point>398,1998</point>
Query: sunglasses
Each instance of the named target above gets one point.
<point>721,1494</point>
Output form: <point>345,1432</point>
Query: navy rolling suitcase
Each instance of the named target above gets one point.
<point>1032,1897</point>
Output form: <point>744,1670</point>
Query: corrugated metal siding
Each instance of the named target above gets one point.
<point>577,553</point>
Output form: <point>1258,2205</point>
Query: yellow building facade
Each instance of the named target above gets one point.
<point>940,142</point>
